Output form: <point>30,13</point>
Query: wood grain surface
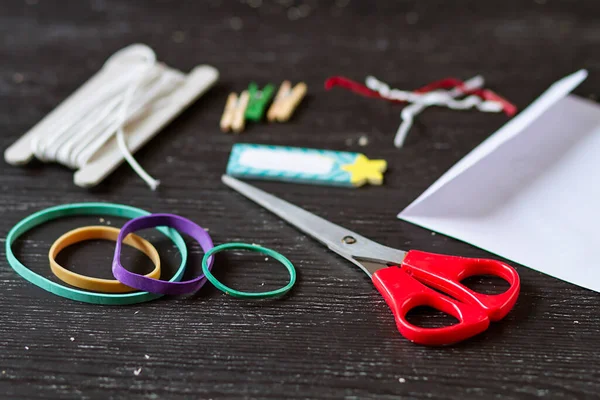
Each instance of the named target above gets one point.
<point>333,337</point>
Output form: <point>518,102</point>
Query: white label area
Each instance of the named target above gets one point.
<point>284,161</point>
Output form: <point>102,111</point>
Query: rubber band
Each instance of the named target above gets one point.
<point>248,295</point>
<point>151,285</point>
<point>105,233</point>
<point>116,210</point>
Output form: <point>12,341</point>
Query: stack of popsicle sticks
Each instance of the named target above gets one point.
<point>138,132</point>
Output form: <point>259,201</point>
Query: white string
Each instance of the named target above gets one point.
<point>79,132</point>
<point>436,98</point>
<point>420,101</point>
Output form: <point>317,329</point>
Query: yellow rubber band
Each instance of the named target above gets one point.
<point>104,233</point>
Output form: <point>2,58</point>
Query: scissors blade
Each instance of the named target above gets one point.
<point>364,253</point>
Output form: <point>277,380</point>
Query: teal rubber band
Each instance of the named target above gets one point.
<point>253,247</point>
<point>115,210</point>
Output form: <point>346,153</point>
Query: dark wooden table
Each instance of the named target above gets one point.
<point>333,337</point>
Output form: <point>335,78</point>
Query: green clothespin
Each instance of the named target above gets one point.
<point>258,101</point>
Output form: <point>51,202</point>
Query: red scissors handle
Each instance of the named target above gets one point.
<point>405,288</point>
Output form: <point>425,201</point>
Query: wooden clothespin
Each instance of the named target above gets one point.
<point>259,99</point>
<point>286,101</point>
<point>233,117</point>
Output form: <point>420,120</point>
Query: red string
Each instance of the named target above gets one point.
<point>448,83</point>
<point>509,108</point>
<point>355,87</point>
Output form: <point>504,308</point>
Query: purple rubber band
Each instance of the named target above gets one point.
<point>151,285</point>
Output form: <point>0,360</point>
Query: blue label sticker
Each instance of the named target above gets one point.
<point>296,164</point>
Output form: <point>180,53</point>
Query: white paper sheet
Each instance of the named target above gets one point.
<point>531,191</point>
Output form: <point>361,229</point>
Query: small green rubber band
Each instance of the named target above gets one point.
<point>249,295</point>
<point>67,210</point>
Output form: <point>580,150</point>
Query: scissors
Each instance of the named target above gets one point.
<point>407,279</point>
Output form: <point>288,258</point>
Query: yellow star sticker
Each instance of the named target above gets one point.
<point>364,170</point>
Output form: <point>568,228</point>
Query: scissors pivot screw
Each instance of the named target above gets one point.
<point>349,240</point>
